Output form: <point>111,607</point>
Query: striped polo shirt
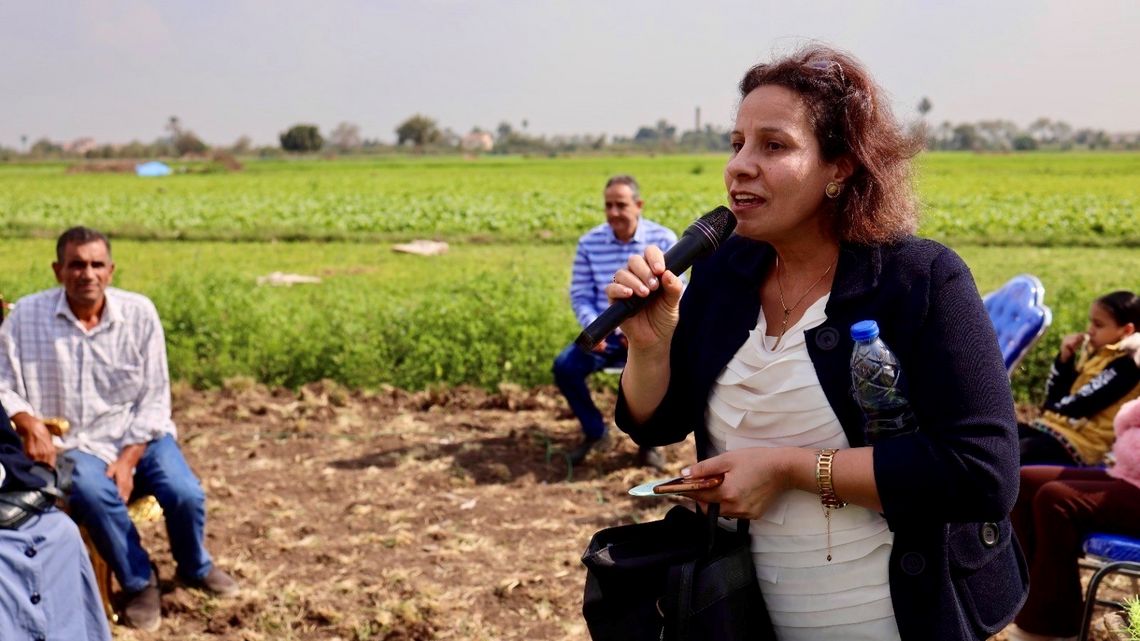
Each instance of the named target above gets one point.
<point>600,254</point>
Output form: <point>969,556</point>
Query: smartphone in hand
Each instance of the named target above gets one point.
<point>690,484</point>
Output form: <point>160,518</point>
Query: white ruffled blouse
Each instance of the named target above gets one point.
<point>772,398</point>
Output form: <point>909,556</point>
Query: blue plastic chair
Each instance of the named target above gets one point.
<point>1109,554</point>
<point>1019,315</point>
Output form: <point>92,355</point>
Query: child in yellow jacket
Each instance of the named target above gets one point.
<point>1094,374</point>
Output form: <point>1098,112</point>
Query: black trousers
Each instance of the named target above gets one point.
<point>1040,448</point>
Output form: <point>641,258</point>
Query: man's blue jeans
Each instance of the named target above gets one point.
<point>572,367</point>
<point>163,472</point>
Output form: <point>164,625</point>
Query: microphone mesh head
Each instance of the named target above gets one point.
<point>717,225</point>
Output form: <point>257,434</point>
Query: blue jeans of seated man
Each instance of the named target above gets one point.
<point>572,367</point>
<point>163,472</point>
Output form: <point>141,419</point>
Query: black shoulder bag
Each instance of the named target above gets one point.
<point>682,578</point>
<point>17,506</point>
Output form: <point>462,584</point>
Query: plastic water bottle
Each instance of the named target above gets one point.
<point>875,375</point>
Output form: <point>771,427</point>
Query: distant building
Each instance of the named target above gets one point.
<point>477,141</point>
<point>80,146</point>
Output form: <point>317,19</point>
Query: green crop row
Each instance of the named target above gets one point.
<point>479,315</point>
<point>1037,199</point>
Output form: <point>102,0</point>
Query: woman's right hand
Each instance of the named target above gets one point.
<point>654,324</point>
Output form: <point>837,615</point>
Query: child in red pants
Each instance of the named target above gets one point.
<point>1056,509</point>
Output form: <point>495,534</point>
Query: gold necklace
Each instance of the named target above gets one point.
<point>788,310</point>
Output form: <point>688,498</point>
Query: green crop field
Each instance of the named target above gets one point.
<point>481,314</point>
<point>494,309</point>
<point>1038,199</point>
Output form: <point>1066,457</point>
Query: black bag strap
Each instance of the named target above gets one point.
<point>684,576</point>
<point>713,515</point>
<point>18,506</point>
<point>684,608</point>
<point>52,477</point>
<point>710,532</point>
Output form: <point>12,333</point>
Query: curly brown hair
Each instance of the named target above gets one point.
<point>850,115</point>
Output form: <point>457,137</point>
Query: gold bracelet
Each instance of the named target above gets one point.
<point>827,496</point>
<point>823,479</point>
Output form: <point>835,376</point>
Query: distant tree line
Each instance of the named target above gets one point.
<point>420,133</point>
<point>1004,135</point>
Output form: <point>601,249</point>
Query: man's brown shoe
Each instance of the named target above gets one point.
<point>217,582</point>
<point>143,609</point>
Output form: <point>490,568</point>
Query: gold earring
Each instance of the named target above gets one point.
<point>832,190</point>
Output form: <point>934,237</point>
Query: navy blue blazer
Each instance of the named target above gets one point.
<point>947,489</point>
<point>16,473</point>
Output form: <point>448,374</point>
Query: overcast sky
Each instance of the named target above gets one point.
<point>116,70</point>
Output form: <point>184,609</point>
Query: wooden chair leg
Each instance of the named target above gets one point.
<point>103,576</point>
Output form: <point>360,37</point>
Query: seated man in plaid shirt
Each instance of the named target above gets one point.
<point>96,356</point>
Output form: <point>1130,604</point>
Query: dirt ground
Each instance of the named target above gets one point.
<point>394,516</point>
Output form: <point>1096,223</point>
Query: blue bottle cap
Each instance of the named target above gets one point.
<point>865,330</point>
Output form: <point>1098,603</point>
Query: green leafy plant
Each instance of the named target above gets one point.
<point>1132,612</point>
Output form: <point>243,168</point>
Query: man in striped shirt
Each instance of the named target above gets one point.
<point>96,355</point>
<point>601,252</point>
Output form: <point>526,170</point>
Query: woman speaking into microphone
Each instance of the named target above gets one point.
<point>907,537</point>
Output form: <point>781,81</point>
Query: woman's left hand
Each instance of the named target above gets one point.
<point>753,478</point>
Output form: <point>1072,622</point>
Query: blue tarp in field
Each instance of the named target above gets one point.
<point>152,169</point>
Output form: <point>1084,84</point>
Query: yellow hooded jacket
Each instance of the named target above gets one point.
<point>1083,395</point>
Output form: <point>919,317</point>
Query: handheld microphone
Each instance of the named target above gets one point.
<point>703,237</point>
